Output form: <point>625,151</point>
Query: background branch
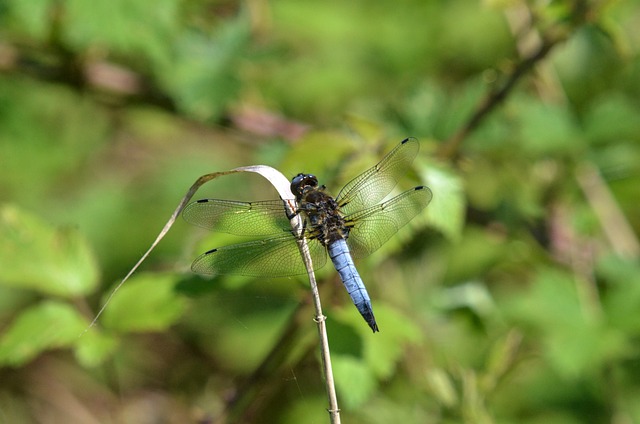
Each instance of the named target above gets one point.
<point>552,37</point>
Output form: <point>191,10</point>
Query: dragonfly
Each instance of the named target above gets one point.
<point>354,224</point>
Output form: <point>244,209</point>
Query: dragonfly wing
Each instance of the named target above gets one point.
<point>240,218</point>
<point>274,257</point>
<point>368,188</point>
<point>372,227</point>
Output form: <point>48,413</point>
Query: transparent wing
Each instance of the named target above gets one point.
<point>372,227</point>
<point>265,218</point>
<point>368,188</point>
<point>274,257</point>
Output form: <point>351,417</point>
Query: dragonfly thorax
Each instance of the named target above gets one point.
<point>323,218</point>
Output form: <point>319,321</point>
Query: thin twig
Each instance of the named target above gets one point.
<point>450,150</point>
<point>321,320</point>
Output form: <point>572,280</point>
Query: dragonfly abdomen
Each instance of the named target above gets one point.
<point>341,258</point>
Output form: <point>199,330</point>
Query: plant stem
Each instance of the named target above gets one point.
<point>581,12</point>
<point>320,319</point>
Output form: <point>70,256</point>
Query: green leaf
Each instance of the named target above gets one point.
<point>355,381</point>
<point>36,116</point>
<point>125,26</point>
<point>574,340</point>
<point>37,256</point>
<point>306,408</point>
<point>230,319</point>
<point>147,302</point>
<point>446,210</point>
<point>94,347</point>
<point>622,298</point>
<point>547,129</point>
<point>385,350</point>
<point>366,129</point>
<point>45,326</point>
<point>317,152</point>
<point>33,17</point>
<point>204,76</point>
<point>612,118</point>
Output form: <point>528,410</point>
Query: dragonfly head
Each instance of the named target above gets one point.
<point>303,182</point>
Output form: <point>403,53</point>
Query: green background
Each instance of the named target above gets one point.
<point>514,298</point>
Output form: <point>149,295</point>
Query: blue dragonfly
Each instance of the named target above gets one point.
<point>353,224</point>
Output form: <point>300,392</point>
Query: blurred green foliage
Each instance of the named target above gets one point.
<point>514,298</point>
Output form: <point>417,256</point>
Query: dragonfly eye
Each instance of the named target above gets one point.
<point>302,181</point>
